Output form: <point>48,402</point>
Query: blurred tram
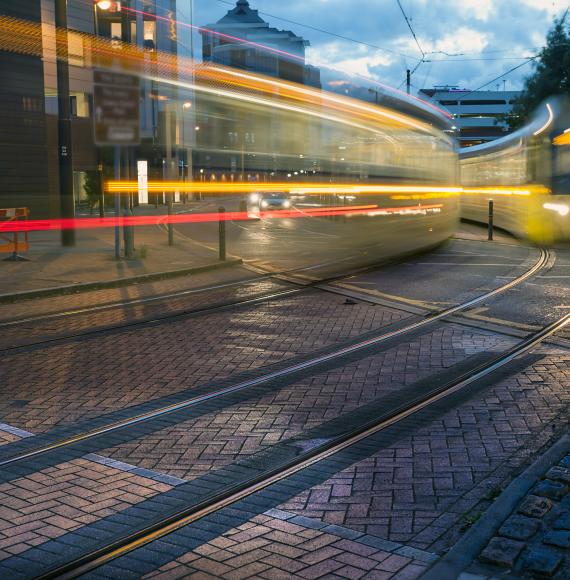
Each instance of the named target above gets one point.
<point>367,180</point>
<point>391,169</point>
<point>526,174</point>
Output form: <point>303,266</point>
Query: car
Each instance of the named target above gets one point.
<point>259,201</point>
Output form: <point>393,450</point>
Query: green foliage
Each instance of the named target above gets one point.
<point>92,188</point>
<point>551,74</point>
<point>469,519</point>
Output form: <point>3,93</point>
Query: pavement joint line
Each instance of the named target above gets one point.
<point>452,564</point>
<point>496,325</point>
<point>313,361</point>
<point>355,536</point>
<point>122,304</point>
<point>116,283</point>
<point>107,461</point>
<point>247,506</point>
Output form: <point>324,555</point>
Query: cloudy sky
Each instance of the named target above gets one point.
<point>469,42</point>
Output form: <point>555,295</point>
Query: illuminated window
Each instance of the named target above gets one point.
<point>79,104</point>
<point>149,34</point>
<point>116,31</point>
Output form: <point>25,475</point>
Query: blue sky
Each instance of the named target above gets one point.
<point>500,31</point>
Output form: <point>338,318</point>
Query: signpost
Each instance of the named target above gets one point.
<point>116,105</point>
<point>116,102</point>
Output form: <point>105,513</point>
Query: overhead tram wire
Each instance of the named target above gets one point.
<point>324,31</point>
<point>411,29</point>
<point>531,59</point>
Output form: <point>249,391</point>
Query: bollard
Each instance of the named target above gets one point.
<point>170,224</point>
<point>101,191</point>
<point>222,233</point>
<point>490,237</point>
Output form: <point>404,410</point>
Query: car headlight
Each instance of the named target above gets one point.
<point>286,203</point>
<point>264,203</point>
<point>562,209</point>
<point>254,197</point>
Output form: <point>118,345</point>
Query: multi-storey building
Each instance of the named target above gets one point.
<point>480,116</point>
<point>29,112</point>
<point>238,40</point>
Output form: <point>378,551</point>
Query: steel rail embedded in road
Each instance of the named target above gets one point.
<point>313,362</point>
<point>159,318</point>
<point>133,302</point>
<point>263,275</point>
<point>236,492</point>
<point>284,275</point>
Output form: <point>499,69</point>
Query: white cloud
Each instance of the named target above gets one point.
<point>481,9</point>
<point>553,7</point>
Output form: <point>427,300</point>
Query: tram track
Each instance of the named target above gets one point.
<point>310,363</point>
<point>281,470</point>
<point>290,277</point>
<point>286,276</point>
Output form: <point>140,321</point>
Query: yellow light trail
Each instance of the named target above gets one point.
<point>312,188</point>
<point>308,188</point>
<point>28,38</point>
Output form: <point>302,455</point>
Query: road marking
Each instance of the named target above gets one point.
<point>459,264</point>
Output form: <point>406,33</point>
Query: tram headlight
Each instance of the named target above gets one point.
<point>561,208</point>
<point>254,197</point>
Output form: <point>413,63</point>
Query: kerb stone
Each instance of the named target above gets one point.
<point>542,562</point>
<point>550,489</point>
<point>560,474</point>
<point>502,552</point>
<point>535,507</point>
<point>519,528</point>
<point>560,539</point>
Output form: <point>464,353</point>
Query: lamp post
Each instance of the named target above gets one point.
<point>67,202</point>
<point>100,5</point>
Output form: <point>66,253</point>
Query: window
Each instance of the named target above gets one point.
<point>79,103</point>
<point>483,102</point>
<point>116,31</point>
<point>149,34</point>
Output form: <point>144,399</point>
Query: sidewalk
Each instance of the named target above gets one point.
<point>479,232</point>
<point>92,262</point>
<point>525,532</point>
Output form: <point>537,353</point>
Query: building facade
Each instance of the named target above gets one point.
<point>480,116</point>
<point>29,112</point>
<point>238,40</point>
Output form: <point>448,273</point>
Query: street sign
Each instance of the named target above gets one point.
<point>116,100</point>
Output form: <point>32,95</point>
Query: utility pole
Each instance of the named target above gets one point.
<point>67,203</point>
<point>408,81</point>
<point>128,231</point>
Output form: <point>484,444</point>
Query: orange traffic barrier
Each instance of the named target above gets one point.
<point>14,242</point>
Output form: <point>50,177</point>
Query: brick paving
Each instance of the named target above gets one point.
<point>27,333</point>
<point>272,548</point>
<point>55,304</point>
<point>64,383</point>
<point>192,448</point>
<point>50,503</point>
<point>426,488</point>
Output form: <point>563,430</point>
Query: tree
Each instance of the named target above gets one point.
<point>92,188</point>
<point>551,74</point>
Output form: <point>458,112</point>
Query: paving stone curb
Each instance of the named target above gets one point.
<point>477,537</point>
<point>117,283</point>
